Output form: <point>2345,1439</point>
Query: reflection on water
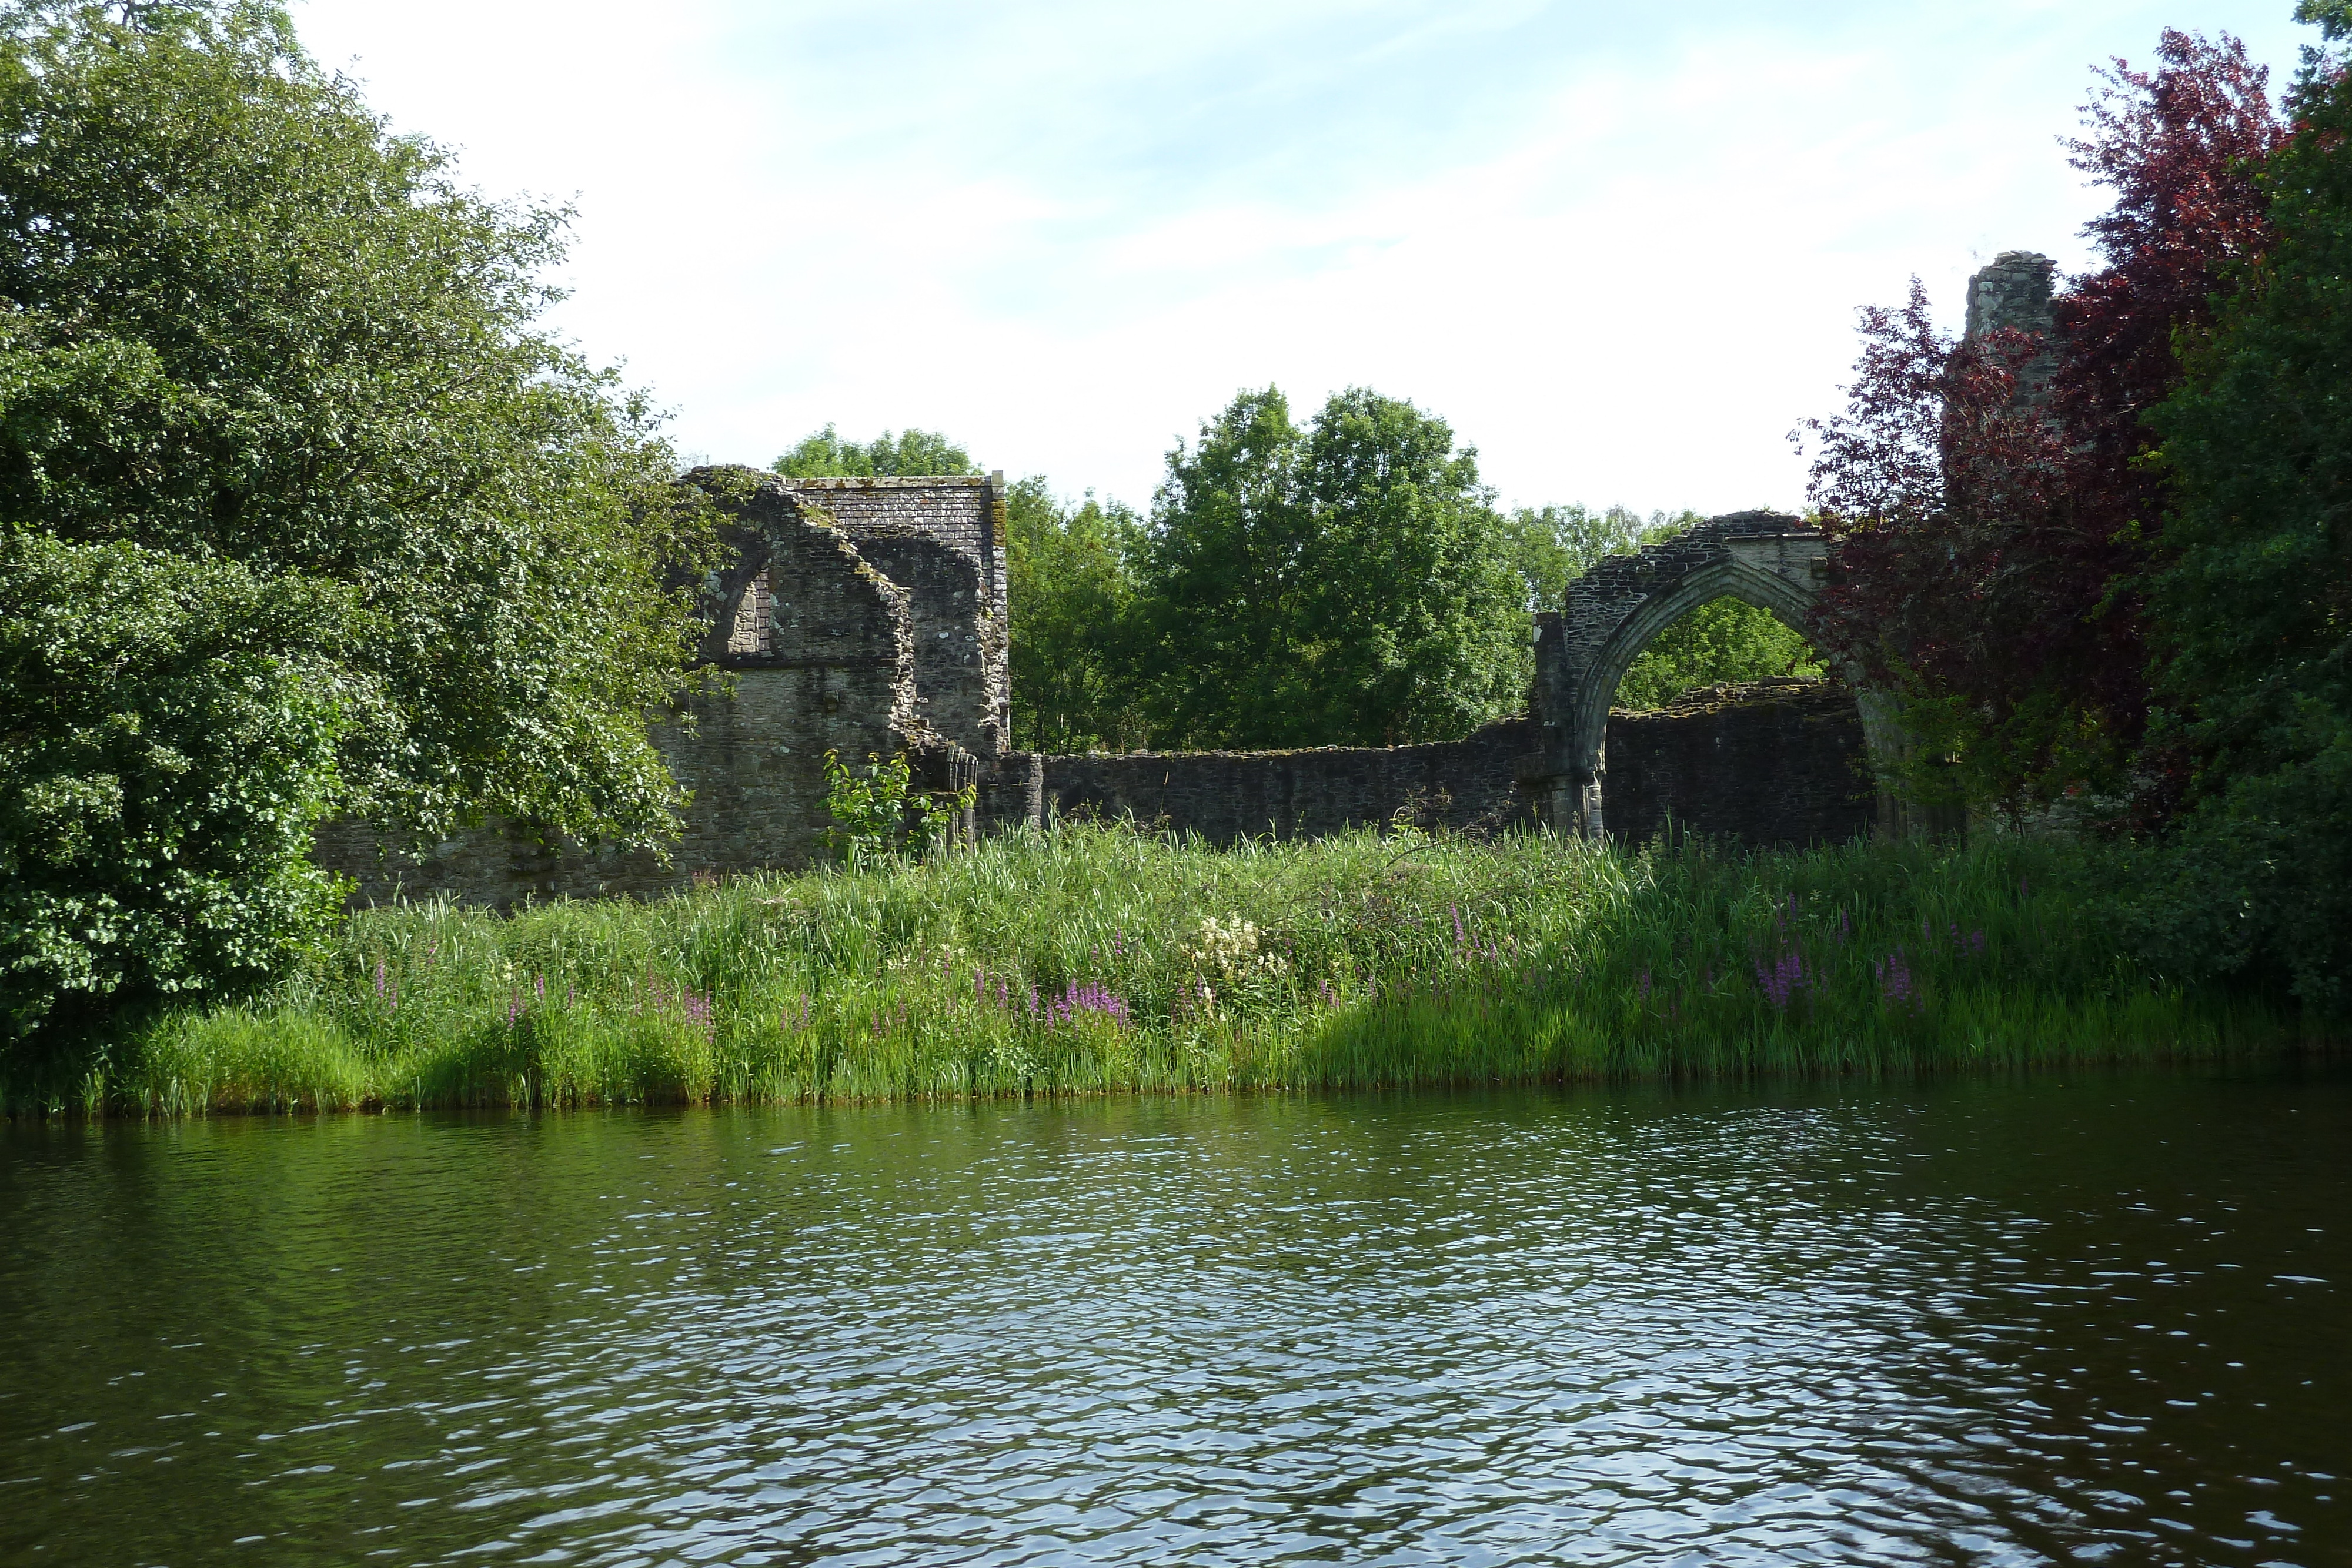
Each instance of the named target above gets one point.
<point>2100,1318</point>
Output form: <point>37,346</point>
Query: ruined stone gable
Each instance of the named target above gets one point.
<point>820,652</point>
<point>942,539</point>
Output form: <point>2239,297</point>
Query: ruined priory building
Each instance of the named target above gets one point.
<point>870,616</point>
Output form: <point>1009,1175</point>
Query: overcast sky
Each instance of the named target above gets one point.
<point>1618,247</point>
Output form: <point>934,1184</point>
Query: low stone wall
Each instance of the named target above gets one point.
<point>1227,796</point>
<point>1769,764</point>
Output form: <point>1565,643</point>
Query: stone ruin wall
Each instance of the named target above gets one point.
<point>2012,293</point>
<point>1771,764</point>
<point>1469,785</point>
<point>942,539</point>
<point>822,652</point>
<point>870,616</point>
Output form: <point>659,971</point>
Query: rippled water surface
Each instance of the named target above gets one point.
<point>2101,1319</point>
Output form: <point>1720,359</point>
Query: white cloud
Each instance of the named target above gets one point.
<point>1621,256</point>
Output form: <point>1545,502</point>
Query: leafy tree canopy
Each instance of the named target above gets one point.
<point>166,763</point>
<point>826,455</point>
<point>245,320</point>
<point>1072,579</point>
<point>2253,609</point>
<point>1719,642</point>
<point>248,331</point>
<point>1994,508</point>
<point>1552,545</point>
<point>1345,584</point>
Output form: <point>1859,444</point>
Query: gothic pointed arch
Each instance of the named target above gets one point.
<point>1770,559</point>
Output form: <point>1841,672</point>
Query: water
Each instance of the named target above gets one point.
<point>2101,1319</point>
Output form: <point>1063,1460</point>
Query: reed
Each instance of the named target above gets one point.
<point>1092,958</point>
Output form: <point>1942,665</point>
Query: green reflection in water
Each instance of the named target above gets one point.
<point>1957,1322</point>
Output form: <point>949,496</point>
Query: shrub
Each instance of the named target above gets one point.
<point>167,741</point>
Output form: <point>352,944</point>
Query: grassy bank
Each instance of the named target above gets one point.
<point>1096,959</point>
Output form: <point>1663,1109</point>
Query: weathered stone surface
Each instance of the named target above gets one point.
<point>868,617</point>
<point>1612,612</point>
<point>1772,763</point>
<point>820,652</point>
<point>956,692</point>
<point>1226,796</point>
<point>2013,292</point>
<point>966,515</point>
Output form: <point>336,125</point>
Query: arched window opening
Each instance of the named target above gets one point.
<point>1724,642</point>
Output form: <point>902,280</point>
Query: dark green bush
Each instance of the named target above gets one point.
<point>2255,603</point>
<point>168,736</point>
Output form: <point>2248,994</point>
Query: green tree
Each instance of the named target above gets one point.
<point>908,452</point>
<point>1721,642</point>
<point>2254,611</point>
<point>1222,603</point>
<point>1073,602</point>
<point>244,323</point>
<point>1551,546</point>
<point>1347,584</point>
<point>168,739</point>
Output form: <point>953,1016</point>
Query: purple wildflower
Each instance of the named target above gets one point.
<point>1781,982</point>
<point>1894,977</point>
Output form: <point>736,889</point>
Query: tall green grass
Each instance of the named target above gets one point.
<point>1096,959</point>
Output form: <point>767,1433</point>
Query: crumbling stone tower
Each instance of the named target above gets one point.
<point>2013,291</point>
<point>940,540</point>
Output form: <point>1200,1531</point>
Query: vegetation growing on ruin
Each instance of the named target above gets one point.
<point>1098,957</point>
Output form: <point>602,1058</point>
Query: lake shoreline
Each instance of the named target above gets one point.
<point>1095,960</point>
